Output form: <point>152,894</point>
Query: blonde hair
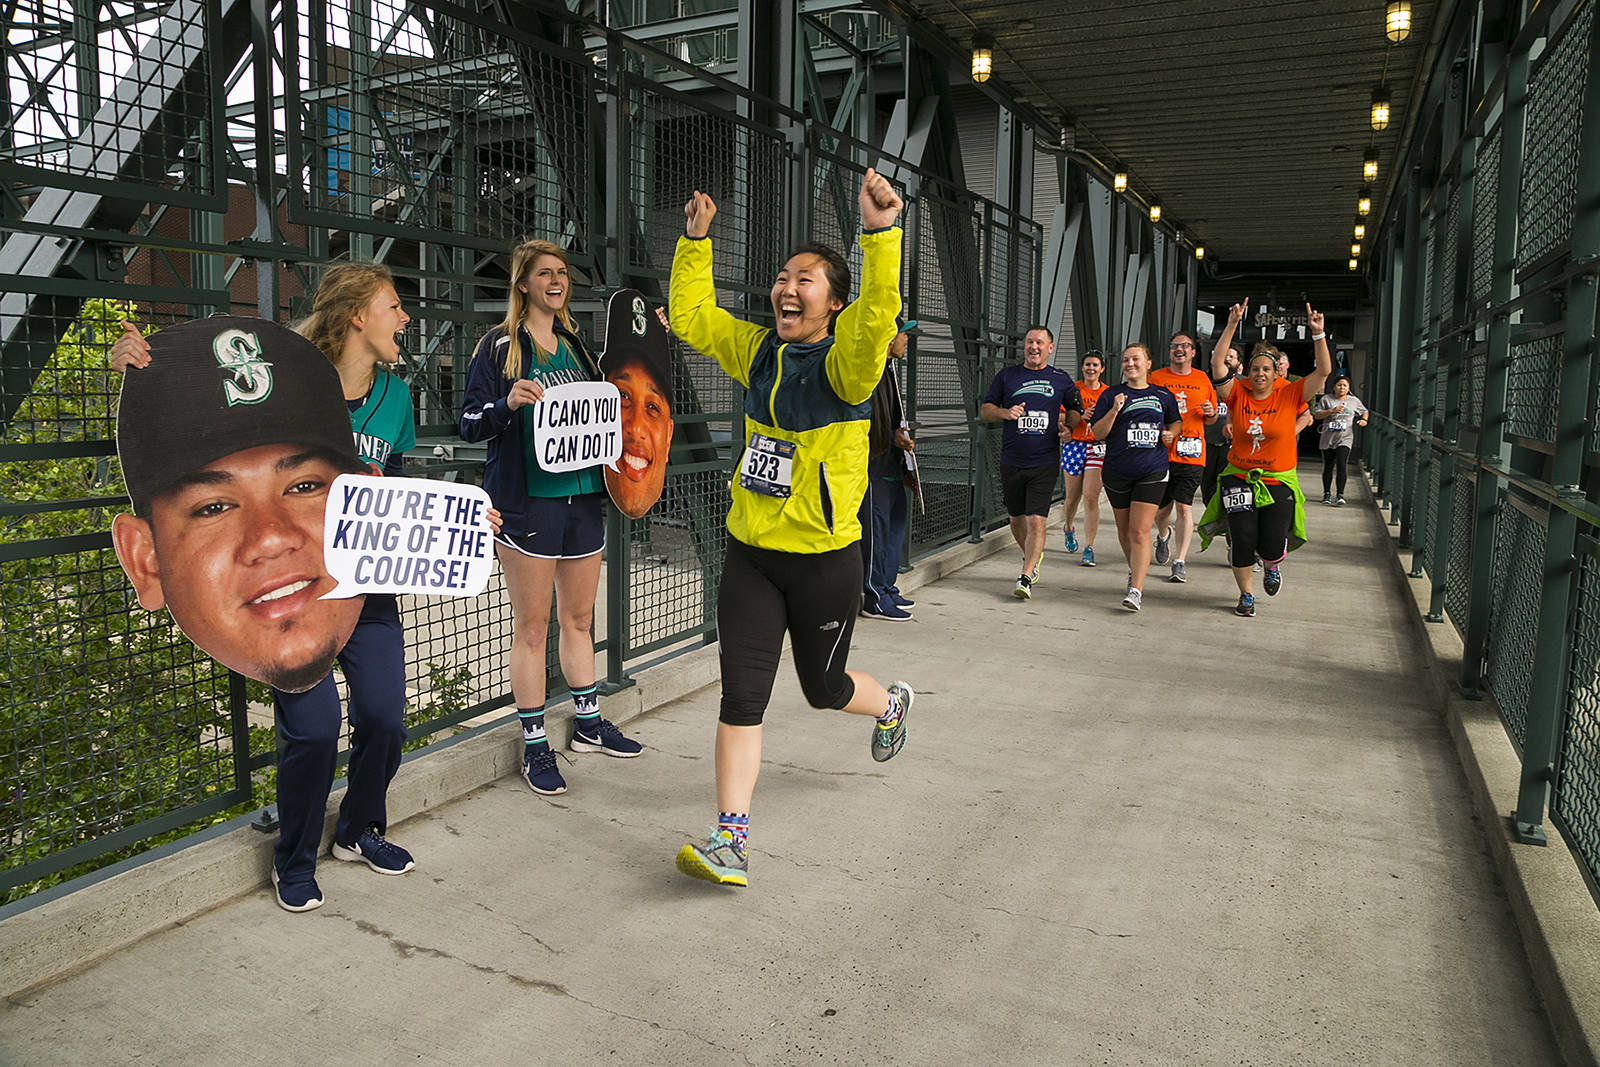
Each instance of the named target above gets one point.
<point>1141,346</point>
<point>345,291</point>
<point>522,258</point>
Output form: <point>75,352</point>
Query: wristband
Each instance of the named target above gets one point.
<point>1319,337</point>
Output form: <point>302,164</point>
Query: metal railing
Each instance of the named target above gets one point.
<point>1487,370</point>
<point>431,138</point>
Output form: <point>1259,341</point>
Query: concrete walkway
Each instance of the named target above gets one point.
<point>1171,837</point>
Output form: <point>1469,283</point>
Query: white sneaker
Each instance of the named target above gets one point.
<point>1133,600</point>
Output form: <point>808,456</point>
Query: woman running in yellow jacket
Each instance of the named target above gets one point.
<point>792,562</point>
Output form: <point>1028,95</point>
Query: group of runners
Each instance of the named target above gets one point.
<point>1158,437</point>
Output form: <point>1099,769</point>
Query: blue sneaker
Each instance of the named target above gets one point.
<point>296,896</point>
<point>721,860</point>
<point>606,738</point>
<point>887,611</point>
<point>889,737</point>
<point>540,774</point>
<point>902,601</point>
<point>1246,606</point>
<point>1272,580</point>
<point>370,848</point>
<point>1072,541</point>
<point>1088,557</point>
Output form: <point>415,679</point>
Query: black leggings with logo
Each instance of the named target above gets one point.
<point>1334,460</point>
<point>814,597</point>
<point>1260,531</point>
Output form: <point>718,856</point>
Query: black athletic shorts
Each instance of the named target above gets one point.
<point>1151,489</point>
<point>1027,490</point>
<point>1183,480</point>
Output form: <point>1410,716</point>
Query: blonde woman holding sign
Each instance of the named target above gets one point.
<point>553,524</point>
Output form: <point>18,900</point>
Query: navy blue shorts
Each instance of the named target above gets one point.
<point>562,527</point>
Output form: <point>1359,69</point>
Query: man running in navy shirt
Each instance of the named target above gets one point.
<point>1028,401</point>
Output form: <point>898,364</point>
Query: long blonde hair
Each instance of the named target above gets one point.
<point>345,291</point>
<point>522,258</point>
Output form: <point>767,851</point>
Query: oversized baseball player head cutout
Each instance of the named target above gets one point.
<point>229,441</point>
<point>637,362</point>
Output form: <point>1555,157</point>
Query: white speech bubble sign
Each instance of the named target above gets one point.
<point>406,535</point>
<point>578,425</point>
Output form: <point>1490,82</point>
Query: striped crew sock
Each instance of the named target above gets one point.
<point>735,825</point>
<point>892,715</point>
<point>586,709</point>
<point>532,720</point>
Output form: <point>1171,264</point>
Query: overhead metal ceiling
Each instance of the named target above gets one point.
<point>1246,119</point>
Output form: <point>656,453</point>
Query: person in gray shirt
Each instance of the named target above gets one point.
<point>1337,415</point>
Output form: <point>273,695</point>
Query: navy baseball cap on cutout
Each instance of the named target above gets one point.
<point>221,385</point>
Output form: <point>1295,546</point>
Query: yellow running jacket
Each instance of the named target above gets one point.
<point>815,397</point>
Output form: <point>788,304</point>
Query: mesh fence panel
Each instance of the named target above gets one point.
<point>1447,284</point>
<point>1472,382</point>
<point>1485,201</point>
<point>1575,798</point>
<point>1550,156</point>
<point>1514,620</point>
<point>1458,572</point>
<point>1532,384</point>
<point>1428,518</point>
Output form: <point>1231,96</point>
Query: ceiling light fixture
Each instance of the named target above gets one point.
<point>1361,230</point>
<point>1155,212</point>
<point>1119,180</point>
<point>1199,251</point>
<point>1380,107</point>
<point>982,56</point>
<point>1369,167</point>
<point>1355,248</point>
<point>1364,205</point>
<point>1397,20</point>
<point>1354,264</point>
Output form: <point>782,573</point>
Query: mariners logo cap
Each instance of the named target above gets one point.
<point>221,385</point>
<point>634,334</point>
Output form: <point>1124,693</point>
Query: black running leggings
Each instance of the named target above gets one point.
<point>763,593</point>
<point>1334,459</point>
<point>1260,531</point>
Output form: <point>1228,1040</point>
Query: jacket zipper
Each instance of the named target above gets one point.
<point>827,497</point>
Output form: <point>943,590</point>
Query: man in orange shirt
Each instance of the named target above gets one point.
<point>1186,453</point>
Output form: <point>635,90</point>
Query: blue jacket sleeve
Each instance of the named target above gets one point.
<point>484,411</point>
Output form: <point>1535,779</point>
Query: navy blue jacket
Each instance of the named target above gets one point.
<point>485,416</point>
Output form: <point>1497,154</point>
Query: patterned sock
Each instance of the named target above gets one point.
<point>586,709</point>
<point>735,825</point>
<point>532,720</point>
<point>892,715</point>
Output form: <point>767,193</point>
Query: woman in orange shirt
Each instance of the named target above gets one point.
<point>1258,498</point>
<point>1082,458</point>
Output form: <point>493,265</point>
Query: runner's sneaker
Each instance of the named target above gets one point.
<point>1339,503</point>
<point>370,848</point>
<point>721,860</point>
<point>606,738</point>
<point>1088,556</point>
<point>1327,498</point>
<point>1072,541</point>
<point>1180,571</point>
<point>1257,568</point>
<point>1246,605</point>
<point>890,737</point>
<point>1133,600</point>
<point>1272,581</point>
<point>887,612</point>
<point>296,896</point>
<point>1024,589</point>
<point>1163,549</point>
<point>1033,579</point>
<point>539,771</point>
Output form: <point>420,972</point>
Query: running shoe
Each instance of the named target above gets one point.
<point>606,738</point>
<point>1072,541</point>
<point>296,896</point>
<point>889,737</point>
<point>1257,568</point>
<point>1339,503</point>
<point>1024,589</point>
<point>902,601</point>
<point>540,774</point>
<point>1180,571</point>
<point>1272,581</point>
<point>887,612</point>
<point>1037,567</point>
<point>721,860</point>
<point>1246,606</point>
<point>1327,498</point>
<point>370,848</point>
<point>1133,600</point>
<point>1163,549</point>
<point>1088,556</point>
